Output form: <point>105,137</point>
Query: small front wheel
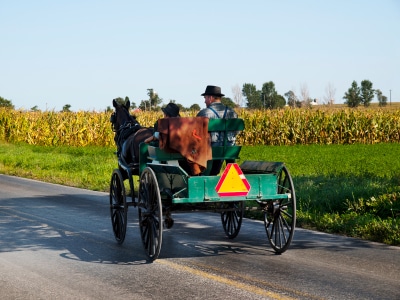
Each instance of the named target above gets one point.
<point>232,217</point>
<point>118,206</point>
<point>150,213</point>
<point>280,215</point>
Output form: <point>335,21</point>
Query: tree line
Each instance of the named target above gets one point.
<point>266,98</point>
<point>363,95</point>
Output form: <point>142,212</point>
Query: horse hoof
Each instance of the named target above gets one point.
<point>168,223</point>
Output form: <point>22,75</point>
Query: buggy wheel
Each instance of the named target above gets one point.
<point>280,215</point>
<point>150,213</point>
<point>118,206</point>
<point>232,218</point>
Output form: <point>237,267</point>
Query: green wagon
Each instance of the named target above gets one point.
<point>166,187</point>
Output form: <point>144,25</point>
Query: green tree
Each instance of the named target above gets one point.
<point>35,108</point>
<point>144,105</point>
<point>382,100</point>
<point>6,103</point>
<point>352,96</point>
<point>279,101</point>
<point>268,94</point>
<point>133,104</point>
<point>228,102</point>
<point>270,97</point>
<point>66,108</point>
<point>181,108</point>
<point>252,96</point>
<point>195,107</point>
<point>154,99</point>
<point>120,100</point>
<point>367,93</point>
<point>266,98</point>
<point>291,99</point>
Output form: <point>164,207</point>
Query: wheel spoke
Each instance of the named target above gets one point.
<point>282,233</point>
<point>285,223</point>
<point>232,218</point>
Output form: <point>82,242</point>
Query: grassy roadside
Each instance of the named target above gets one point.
<point>352,190</point>
<point>84,167</point>
<point>346,189</point>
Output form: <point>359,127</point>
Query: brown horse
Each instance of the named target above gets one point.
<point>128,133</point>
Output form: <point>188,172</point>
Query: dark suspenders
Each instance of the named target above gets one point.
<point>213,110</point>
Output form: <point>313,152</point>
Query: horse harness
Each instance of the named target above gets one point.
<point>124,131</point>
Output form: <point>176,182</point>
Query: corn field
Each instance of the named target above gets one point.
<point>269,127</point>
<point>321,126</point>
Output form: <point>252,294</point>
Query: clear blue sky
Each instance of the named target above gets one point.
<point>85,52</point>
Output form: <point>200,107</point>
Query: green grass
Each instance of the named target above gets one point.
<point>346,189</point>
<point>326,176</point>
<point>83,167</point>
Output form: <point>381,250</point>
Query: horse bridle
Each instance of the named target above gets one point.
<point>127,124</point>
<point>125,129</point>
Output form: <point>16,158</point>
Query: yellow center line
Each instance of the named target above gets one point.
<point>243,286</point>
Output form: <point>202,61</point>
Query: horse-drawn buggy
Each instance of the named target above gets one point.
<point>174,176</point>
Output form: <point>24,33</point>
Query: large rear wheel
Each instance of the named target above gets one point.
<point>118,206</point>
<point>280,215</point>
<point>150,213</point>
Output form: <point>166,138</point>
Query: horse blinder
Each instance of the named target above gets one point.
<point>113,118</point>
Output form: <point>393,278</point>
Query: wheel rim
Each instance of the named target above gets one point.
<point>118,206</point>
<point>150,213</point>
<point>232,218</point>
<point>280,215</point>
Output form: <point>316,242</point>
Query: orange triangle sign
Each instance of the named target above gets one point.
<point>232,182</point>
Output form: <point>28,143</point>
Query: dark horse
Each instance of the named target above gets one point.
<point>128,133</point>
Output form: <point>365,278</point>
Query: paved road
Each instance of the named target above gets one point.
<point>56,243</point>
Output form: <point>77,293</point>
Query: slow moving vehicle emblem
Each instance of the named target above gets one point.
<point>232,182</point>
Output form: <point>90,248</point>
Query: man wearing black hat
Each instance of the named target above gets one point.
<point>216,110</point>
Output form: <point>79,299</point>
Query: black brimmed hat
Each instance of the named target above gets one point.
<point>171,110</point>
<point>212,90</point>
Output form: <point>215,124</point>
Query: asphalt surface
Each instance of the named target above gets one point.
<point>56,242</point>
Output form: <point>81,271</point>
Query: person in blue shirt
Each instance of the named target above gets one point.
<point>216,110</point>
